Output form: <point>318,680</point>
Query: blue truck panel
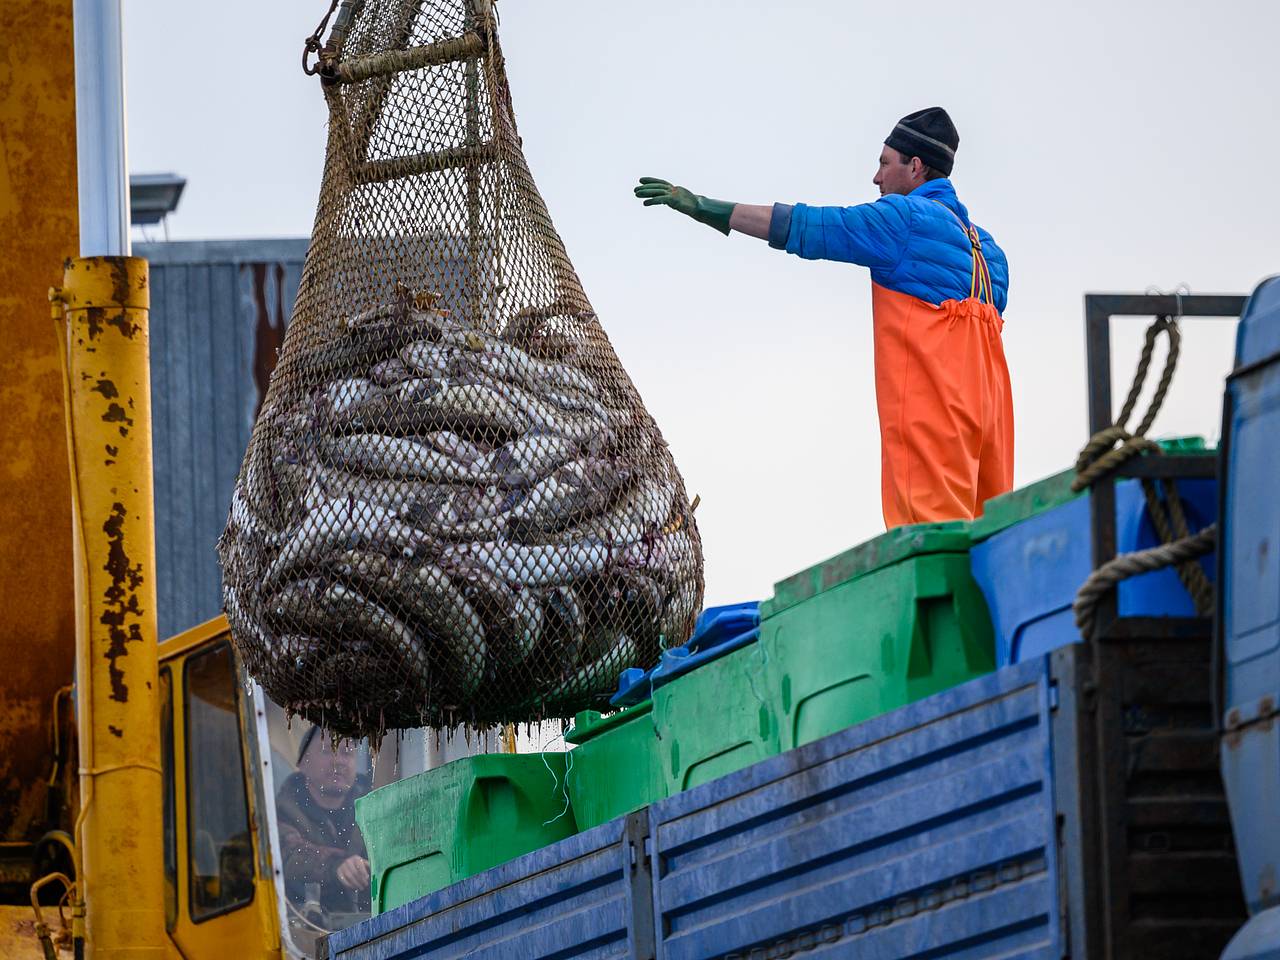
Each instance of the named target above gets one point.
<point>938,817</point>
<point>1067,806</point>
<point>572,899</point>
<point>930,828</point>
<point>1250,617</point>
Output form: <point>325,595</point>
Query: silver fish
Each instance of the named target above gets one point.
<point>672,554</point>
<point>392,457</point>
<point>390,372</point>
<point>403,497</point>
<point>597,675</point>
<point>455,446</point>
<point>342,397</point>
<point>301,603</point>
<point>641,512</point>
<point>577,401</point>
<point>430,359</point>
<point>681,608</point>
<point>241,621</point>
<point>475,405</point>
<point>488,593</point>
<point>378,624</point>
<point>546,417</point>
<point>528,459</point>
<point>245,522</point>
<point>566,624</point>
<point>511,363</point>
<point>425,594</point>
<point>536,566</point>
<point>343,524</point>
<point>474,503</point>
<point>577,488</point>
<point>417,389</point>
<point>527,623</point>
<point>477,528</point>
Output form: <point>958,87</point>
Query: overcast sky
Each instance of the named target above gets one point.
<point>1107,146</point>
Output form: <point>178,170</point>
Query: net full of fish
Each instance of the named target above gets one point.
<point>454,507</point>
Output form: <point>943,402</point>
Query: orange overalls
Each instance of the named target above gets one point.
<point>945,405</point>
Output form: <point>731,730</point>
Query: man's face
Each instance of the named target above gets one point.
<point>895,176</point>
<point>330,770</point>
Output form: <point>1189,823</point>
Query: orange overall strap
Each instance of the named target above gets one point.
<point>979,276</point>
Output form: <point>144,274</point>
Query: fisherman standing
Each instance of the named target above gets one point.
<point>938,288</point>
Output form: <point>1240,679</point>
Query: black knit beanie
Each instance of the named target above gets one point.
<point>928,134</point>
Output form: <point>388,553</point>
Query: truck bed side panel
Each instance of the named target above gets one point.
<point>572,899</point>
<point>926,831</point>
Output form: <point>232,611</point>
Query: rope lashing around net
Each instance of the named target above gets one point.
<point>1101,457</point>
<point>1185,551</point>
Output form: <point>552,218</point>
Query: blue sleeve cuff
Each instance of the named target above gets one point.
<point>780,226</point>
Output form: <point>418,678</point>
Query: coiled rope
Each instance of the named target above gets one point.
<point>1106,452</point>
<point>1186,550</point>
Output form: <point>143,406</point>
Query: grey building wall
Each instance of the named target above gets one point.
<point>218,314</point>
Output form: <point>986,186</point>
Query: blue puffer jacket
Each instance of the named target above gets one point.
<point>912,244</point>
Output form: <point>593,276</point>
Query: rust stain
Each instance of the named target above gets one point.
<point>1267,881</point>
<point>120,320</point>
<point>119,281</point>
<point>120,601</point>
<point>268,327</point>
<point>93,319</point>
<point>116,414</point>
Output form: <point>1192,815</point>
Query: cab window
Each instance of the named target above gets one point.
<point>170,806</point>
<point>220,850</point>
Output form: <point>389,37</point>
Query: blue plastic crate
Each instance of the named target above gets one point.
<point>719,630</point>
<point>1030,571</point>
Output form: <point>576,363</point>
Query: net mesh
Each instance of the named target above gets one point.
<point>454,507</point>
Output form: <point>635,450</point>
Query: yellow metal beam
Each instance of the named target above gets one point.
<point>104,302</point>
<point>37,233</point>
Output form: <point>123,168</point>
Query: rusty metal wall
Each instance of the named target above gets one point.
<point>218,314</point>
<point>37,232</point>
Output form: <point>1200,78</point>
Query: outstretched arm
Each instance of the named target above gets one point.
<point>747,218</point>
<point>753,219</point>
<point>871,234</point>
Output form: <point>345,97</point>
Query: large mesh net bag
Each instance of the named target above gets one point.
<point>454,507</point>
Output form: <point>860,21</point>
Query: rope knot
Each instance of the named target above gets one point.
<point>1101,457</point>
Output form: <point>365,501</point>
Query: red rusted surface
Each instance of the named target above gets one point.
<point>269,325</point>
<point>37,233</point>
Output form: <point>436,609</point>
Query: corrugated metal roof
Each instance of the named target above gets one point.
<point>218,314</point>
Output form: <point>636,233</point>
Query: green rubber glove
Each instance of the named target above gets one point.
<point>714,213</point>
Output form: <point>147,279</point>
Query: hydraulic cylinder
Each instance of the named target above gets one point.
<point>103,307</point>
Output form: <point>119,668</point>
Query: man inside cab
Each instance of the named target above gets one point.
<point>325,861</point>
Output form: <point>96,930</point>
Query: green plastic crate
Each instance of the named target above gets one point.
<point>886,623</point>
<point>615,766</point>
<point>428,831</point>
<point>715,719</point>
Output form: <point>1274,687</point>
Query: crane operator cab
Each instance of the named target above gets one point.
<point>261,847</point>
